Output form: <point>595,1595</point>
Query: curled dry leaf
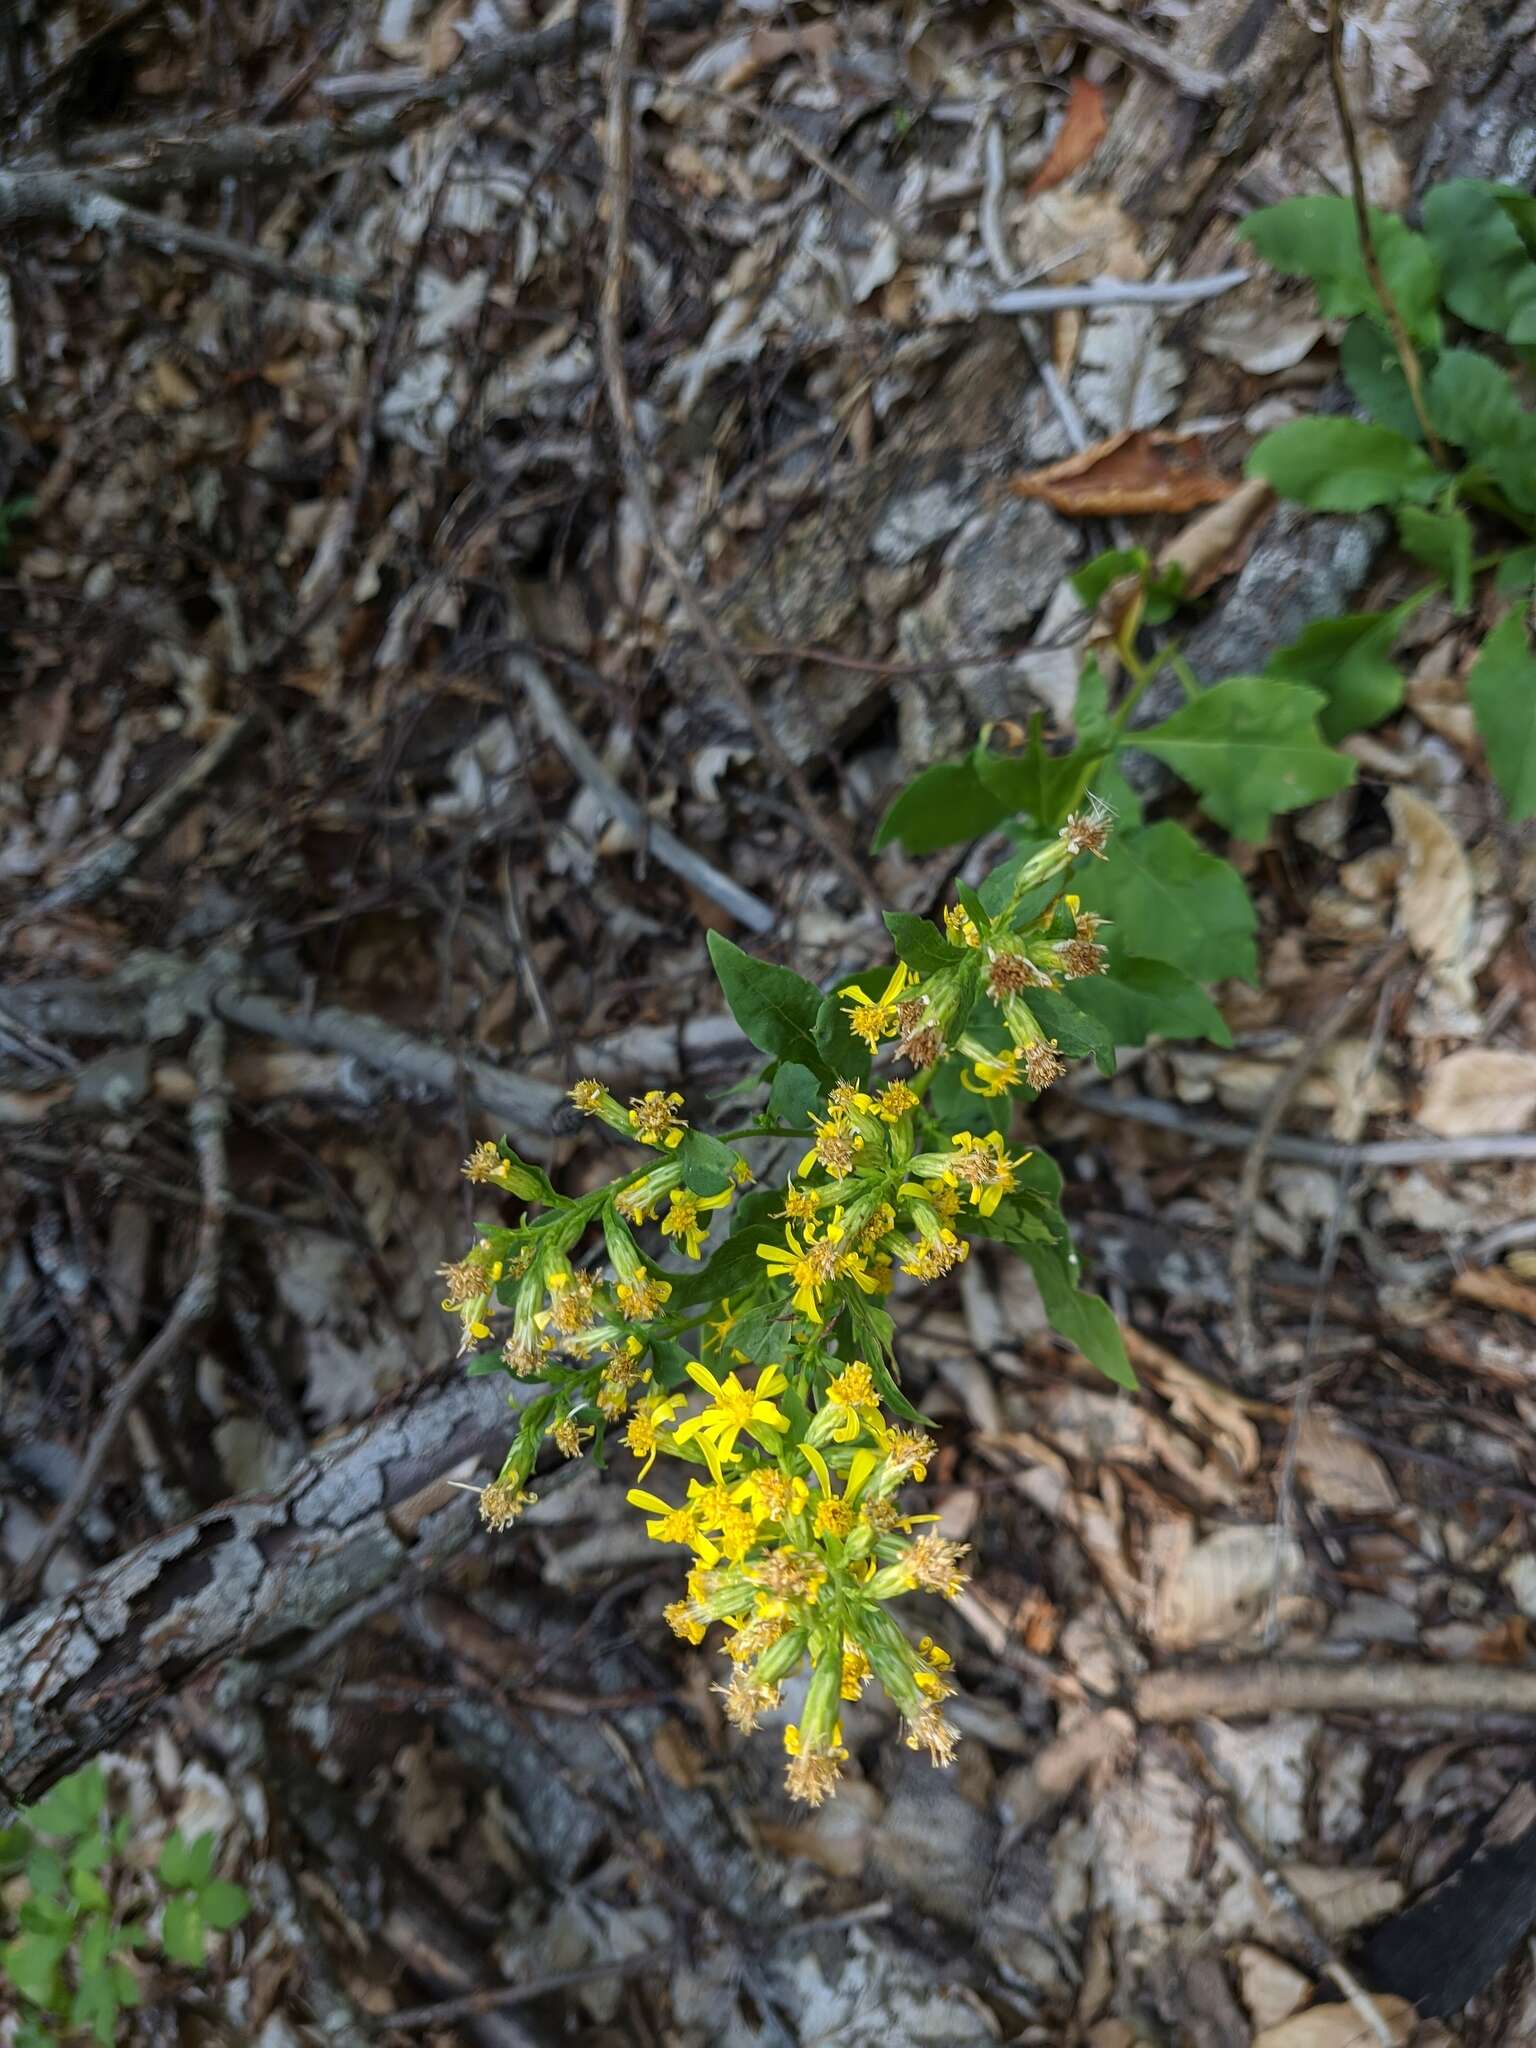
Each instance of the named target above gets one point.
<point>1082,130</point>
<point>1133,471</point>
<point>1216,544</point>
<point>1339,1471</point>
<point>1436,895</point>
<point>1482,1089</point>
<point>1339,2026</point>
<point>1218,1590</point>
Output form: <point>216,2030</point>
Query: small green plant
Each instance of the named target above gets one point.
<point>82,1910</point>
<point>12,512</point>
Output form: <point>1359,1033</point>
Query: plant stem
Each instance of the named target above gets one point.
<point>1406,352</point>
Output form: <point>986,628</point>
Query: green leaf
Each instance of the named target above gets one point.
<point>1073,1029</point>
<point>1111,788</point>
<point>224,1905</point>
<point>1349,661</point>
<point>41,1915</point>
<point>1338,465</point>
<point>94,1945</point>
<point>1142,999</point>
<point>73,1805</point>
<point>1095,577</point>
<point>1251,747</point>
<point>1170,900</point>
<point>530,1183</point>
<point>181,1930</point>
<point>777,1009</point>
<point>732,1268</point>
<point>1474,404</point>
<point>483,1364</point>
<point>1519,208</point>
<point>707,1164</point>
<point>32,1964</point>
<point>1082,1319</point>
<point>174,1866</point>
<point>125,1984</point>
<point>1316,236</point>
<point>1442,540</point>
<point>843,1056</point>
<point>88,1889</point>
<point>920,944</point>
<point>1489,279</point>
<point>794,1094</point>
<point>944,806</point>
<point>1501,688</point>
<point>15,1846</point>
<point>1374,373</point>
<point>1041,786</point>
<point>45,1873</point>
<point>1090,711</point>
<point>1517,573</point>
<point>95,2005</point>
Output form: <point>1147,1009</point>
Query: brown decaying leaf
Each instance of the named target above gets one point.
<point>1082,130</point>
<point>1137,470</point>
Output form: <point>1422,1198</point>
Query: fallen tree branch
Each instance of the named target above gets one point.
<point>691,867</point>
<point>67,196</point>
<point>195,1303</point>
<point>168,159</point>
<point>618,146</point>
<point>255,1573</point>
<point>1278,1687</point>
<point>1235,1137</point>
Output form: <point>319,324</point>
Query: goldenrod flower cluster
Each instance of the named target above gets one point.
<point>785,1439</point>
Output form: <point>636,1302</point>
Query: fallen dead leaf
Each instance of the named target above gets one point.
<point>1133,471</point>
<point>1272,1988</point>
<point>1480,1089</point>
<point>1497,1289</point>
<point>1214,545</point>
<point>1222,1585</point>
<point>1436,895</point>
<point>834,1837</point>
<point>1339,2026</point>
<point>1341,1472</point>
<point>1082,129</point>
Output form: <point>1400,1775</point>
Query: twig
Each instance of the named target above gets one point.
<point>642,1963</point>
<point>1202,1772</point>
<point>1109,32</point>
<point>1327,1028</point>
<point>253,151</point>
<point>207,1118</point>
<point>1116,291</point>
<point>1233,1137</point>
<point>994,241</point>
<point>64,195</point>
<point>1407,354</point>
<point>551,714</point>
<point>1358,1687</point>
<point>97,872</point>
<point>618,152</point>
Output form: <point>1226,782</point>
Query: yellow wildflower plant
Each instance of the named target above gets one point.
<point>739,1342</point>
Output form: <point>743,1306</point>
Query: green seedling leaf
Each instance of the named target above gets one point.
<point>1516,573</point>
<point>1489,279</point>
<point>843,1056</point>
<point>1338,465</point>
<point>1095,577</point>
<point>794,1094</point>
<point>920,944</point>
<point>1501,688</point>
<point>73,1805</point>
<point>706,1163</point>
<point>1374,373</point>
<point>1171,900</point>
<point>181,1930</point>
<point>1316,236</point>
<point>1251,747</point>
<point>224,1905</point>
<point>1349,661</point>
<point>1142,999</point>
<point>1041,786</point>
<point>1442,540</point>
<point>32,1964</point>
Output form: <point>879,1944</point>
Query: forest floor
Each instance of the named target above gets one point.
<point>349,706</point>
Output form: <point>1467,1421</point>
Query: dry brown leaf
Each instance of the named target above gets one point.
<point>1497,1289</point>
<point>1134,471</point>
<point>1223,1585</point>
<point>1436,895</point>
<point>1340,2026</point>
<point>1480,1089</point>
<point>1215,544</point>
<point>834,1837</point>
<point>1342,1900</point>
<point>1272,1988</point>
<point>1082,129</point>
<point>1340,1471</point>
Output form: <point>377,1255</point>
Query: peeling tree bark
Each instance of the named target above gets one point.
<point>247,1577</point>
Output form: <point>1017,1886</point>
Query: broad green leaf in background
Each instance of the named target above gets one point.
<point>32,1964</point>
<point>1095,577</point>
<point>1040,785</point>
<point>1071,1028</point>
<point>1142,999</point>
<point>1473,403</point>
<point>919,943</point>
<point>1316,236</point>
<point>1171,900</point>
<point>1374,374</point>
<point>1251,747</point>
<point>1081,1318</point>
<point>1517,573</point>
<point>1501,688</point>
<point>1116,794</point>
<point>73,1805</point>
<point>224,1905</point>
<point>181,1930</point>
<point>1349,660</point>
<point>1338,465</point>
<point>1442,540</point>
<point>1489,278</point>
<point>776,1008</point>
<point>943,806</point>
<point>1520,209</point>
<point>843,1056</point>
<point>706,1164</point>
<point>794,1094</point>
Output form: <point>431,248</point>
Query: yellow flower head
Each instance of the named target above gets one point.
<point>501,1503</point>
<point>568,1437</point>
<point>733,1408</point>
<point>587,1096</point>
<point>654,1120</point>
<point>893,1102</point>
<point>837,1147</point>
<point>643,1436</point>
<point>874,1017</point>
<point>800,1204</point>
<point>682,1218</point>
<point>960,926</point>
<point>483,1164</point>
<point>982,1164</point>
<point>809,1265</point>
<point>641,1297</point>
<point>992,1073</point>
